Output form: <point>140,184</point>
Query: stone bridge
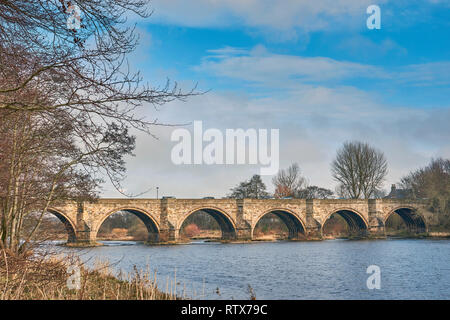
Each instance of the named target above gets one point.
<point>237,218</point>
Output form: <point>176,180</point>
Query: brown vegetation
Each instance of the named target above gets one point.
<point>44,276</point>
<point>191,230</point>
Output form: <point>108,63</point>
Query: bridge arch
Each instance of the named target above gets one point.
<point>295,225</point>
<point>150,223</point>
<point>223,219</point>
<point>68,224</point>
<point>357,224</point>
<point>412,219</point>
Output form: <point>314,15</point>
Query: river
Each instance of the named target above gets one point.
<point>332,269</point>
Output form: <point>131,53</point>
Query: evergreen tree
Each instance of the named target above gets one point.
<point>252,189</point>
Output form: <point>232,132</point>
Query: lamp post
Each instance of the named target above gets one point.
<point>157,192</point>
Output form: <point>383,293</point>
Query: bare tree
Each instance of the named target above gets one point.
<point>84,69</point>
<point>432,182</point>
<point>84,72</point>
<point>342,192</point>
<point>42,162</point>
<point>360,170</point>
<point>67,102</point>
<point>289,181</point>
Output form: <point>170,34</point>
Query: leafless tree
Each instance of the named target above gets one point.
<point>432,182</point>
<point>84,70</point>
<point>289,181</point>
<point>342,192</point>
<point>360,170</point>
<point>42,162</point>
<point>67,102</point>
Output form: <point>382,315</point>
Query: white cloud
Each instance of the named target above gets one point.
<point>313,121</point>
<point>364,47</point>
<point>306,15</point>
<point>425,74</point>
<point>260,66</point>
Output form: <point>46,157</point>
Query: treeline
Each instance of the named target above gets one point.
<point>431,183</point>
<point>358,168</point>
<point>360,171</point>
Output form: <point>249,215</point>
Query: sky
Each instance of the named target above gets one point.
<point>312,69</point>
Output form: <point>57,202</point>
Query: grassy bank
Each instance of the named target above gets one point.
<point>45,277</point>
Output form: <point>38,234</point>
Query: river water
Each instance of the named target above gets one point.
<point>332,269</point>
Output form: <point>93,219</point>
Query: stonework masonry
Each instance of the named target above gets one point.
<point>238,217</point>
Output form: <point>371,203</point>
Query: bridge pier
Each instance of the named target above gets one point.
<point>153,237</point>
<point>243,234</point>
<point>167,236</point>
<point>313,233</point>
<point>83,238</point>
<point>377,232</point>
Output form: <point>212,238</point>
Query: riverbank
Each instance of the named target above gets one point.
<point>442,235</point>
<point>38,276</point>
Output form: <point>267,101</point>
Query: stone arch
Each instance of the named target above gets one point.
<point>68,224</point>
<point>224,220</point>
<point>413,220</point>
<point>357,224</point>
<point>295,225</point>
<point>150,223</point>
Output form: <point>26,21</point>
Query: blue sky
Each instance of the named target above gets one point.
<point>310,68</point>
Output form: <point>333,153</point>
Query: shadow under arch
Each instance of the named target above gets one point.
<point>357,225</point>
<point>149,222</point>
<point>68,224</point>
<point>295,225</point>
<point>225,222</point>
<point>414,222</point>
